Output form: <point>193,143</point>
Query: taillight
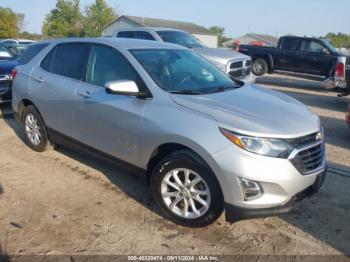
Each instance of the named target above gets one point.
<point>13,73</point>
<point>340,70</point>
<point>347,116</point>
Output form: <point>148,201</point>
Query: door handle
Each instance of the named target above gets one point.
<point>38,79</point>
<point>85,94</point>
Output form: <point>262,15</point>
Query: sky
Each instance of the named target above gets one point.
<point>274,17</point>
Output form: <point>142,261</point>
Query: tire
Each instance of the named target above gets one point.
<point>204,181</point>
<point>34,129</point>
<point>259,67</point>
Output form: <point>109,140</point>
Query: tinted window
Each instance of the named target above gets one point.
<point>107,64</point>
<point>67,60</point>
<point>290,44</point>
<point>31,52</point>
<point>125,34</point>
<point>136,34</point>
<point>311,46</point>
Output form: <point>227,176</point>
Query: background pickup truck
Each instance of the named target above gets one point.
<point>303,56</point>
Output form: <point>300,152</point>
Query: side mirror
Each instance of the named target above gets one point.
<point>122,87</point>
<point>325,51</point>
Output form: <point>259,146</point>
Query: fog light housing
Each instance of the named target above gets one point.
<point>250,189</point>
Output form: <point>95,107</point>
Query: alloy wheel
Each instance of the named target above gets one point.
<point>185,193</point>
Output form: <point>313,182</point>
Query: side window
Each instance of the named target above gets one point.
<point>124,34</point>
<point>290,44</point>
<point>107,64</point>
<point>311,46</point>
<point>67,60</point>
<point>47,62</point>
<point>142,35</point>
<point>31,52</point>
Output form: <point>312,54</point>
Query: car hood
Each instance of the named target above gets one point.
<point>219,55</point>
<point>6,66</point>
<point>255,111</point>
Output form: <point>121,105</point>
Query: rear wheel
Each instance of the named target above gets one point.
<point>34,129</point>
<point>186,191</point>
<point>259,67</point>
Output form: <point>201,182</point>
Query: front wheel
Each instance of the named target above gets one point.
<point>186,191</point>
<point>259,67</point>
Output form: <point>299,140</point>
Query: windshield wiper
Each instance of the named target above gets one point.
<point>224,88</point>
<point>185,92</point>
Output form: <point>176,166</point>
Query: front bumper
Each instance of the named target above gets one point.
<point>235,213</point>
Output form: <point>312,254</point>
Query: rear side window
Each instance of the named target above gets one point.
<point>291,44</point>
<point>67,60</point>
<point>107,64</point>
<point>125,34</point>
<point>31,52</point>
<point>136,34</point>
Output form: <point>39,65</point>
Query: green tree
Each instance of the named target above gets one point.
<point>10,23</point>
<point>97,15</point>
<point>63,21</point>
<point>339,40</point>
<point>220,32</point>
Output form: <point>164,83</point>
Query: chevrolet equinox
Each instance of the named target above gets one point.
<point>204,141</point>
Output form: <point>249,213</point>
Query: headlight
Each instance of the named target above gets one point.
<point>262,146</point>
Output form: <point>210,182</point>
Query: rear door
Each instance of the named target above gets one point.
<point>109,122</point>
<point>54,84</point>
<point>288,56</point>
<point>314,60</point>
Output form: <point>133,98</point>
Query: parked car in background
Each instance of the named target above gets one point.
<point>8,61</point>
<point>17,46</point>
<point>233,63</point>
<point>347,116</point>
<point>204,141</point>
<point>302,55</point>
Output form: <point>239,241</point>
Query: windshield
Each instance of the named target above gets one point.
<point>183,72</point>
<point>180,38</point>
<point>5,53</point>
<point>328,45</point>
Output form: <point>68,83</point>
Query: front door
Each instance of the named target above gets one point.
<point>315,60</point>
<point>108,122</point>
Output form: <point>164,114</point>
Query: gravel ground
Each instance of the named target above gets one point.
<point>62,202</point>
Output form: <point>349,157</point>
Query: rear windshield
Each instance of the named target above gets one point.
<point>31,52</point>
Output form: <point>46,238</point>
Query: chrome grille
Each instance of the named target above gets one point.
<point>238,64</point>
<point>239,69</point>
<point>310,159</point>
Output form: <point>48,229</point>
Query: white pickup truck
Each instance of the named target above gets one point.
<point>235,64</point>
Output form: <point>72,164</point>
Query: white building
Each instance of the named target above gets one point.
<point>125,22</point>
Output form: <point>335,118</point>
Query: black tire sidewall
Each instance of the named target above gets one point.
<point>263,63</point>
<point>44,140</point>
<point>182,161</point>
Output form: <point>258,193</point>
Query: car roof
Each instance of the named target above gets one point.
<point>125,43</point>
<point>146,28</point>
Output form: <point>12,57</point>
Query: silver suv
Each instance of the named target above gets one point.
<point>204,142</point>
<point>235,64</point>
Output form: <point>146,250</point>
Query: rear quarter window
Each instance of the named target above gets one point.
<point>31,52</point>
